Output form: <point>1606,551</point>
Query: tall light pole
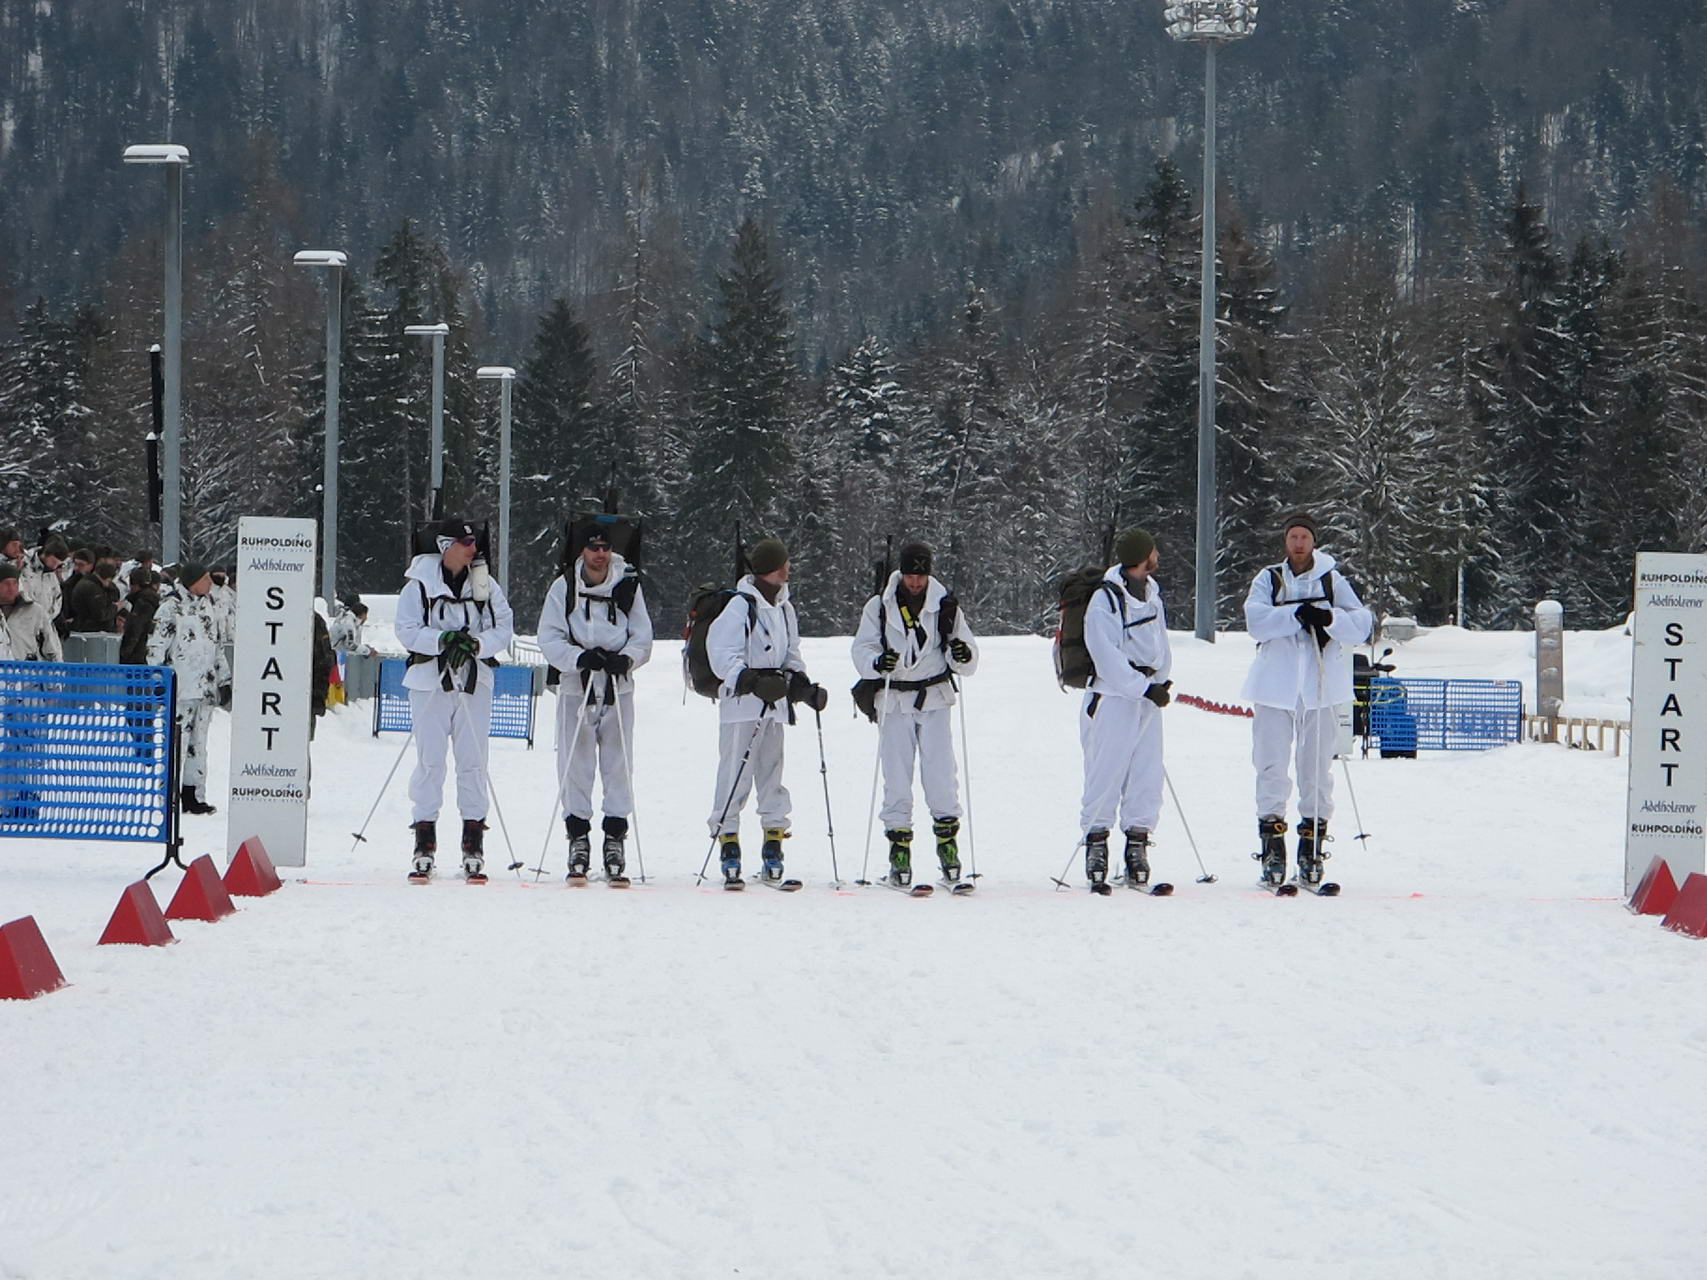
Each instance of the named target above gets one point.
<point>435,488</point>
<point>1210,23</point>
<point>175,159</point>
<point>334,261</point>
<point>505,377</point>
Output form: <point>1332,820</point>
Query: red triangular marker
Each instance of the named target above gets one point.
<point>137,920</point>
<point>27,968</point>
<point>200,895</point>
<point>251,873</point>
<point>1656,891</point>
<point>1688,914</point>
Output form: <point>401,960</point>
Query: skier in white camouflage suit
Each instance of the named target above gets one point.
<point>188,637</point>
<point>596,631</point>
<point>453,618</point>
<point>1302,614</point>
<point>41,576</point>
<point>913,636</point>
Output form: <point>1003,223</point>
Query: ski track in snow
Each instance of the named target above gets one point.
<point>1474,1064</point>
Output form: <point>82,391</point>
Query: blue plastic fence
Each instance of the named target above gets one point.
<point>1445,715</point>
<point>86,751</point>
<point>512,701</point>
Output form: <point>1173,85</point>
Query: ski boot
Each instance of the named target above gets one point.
<point>729,849</point>
<point>1096,860</point>
<point>426,844</point>
<point>1272,831</point>
<point>771,854</point>
<point>580,847</point>
<point>1312,835</point>
<point>473,851</point>
<point>900,855</point>
<point>947,848</point>
<point>1137,858</point>
<point>616,830</point>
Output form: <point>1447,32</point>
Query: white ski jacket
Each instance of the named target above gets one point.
<point>920,648</point>
<point>594,622</point>
<point>1123,634</point>
<point>42,585</point>
<point>750,632</point>
<point>427,608</point>
<point>188,637</point>
<point>1290,669</point>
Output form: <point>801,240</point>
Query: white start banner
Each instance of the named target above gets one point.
<point>273,664</point>
<point>1668,717</point>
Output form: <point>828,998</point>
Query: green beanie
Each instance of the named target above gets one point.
<point>767,556</point>
<point>1133,547</point>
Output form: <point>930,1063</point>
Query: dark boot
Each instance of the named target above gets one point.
<point>900,854</point>
<point>580,845</point>
<point>1312,835</point>
<point>947,847</point>
<point>1096,857</point>
<point>473,850</point>
<point>729,852</point>
<point>1137,857</point>
<point>1272,831</point>
<point>770,853</point>
<point>426,845</point>
<point>190,802</point>
<point>616,831</point>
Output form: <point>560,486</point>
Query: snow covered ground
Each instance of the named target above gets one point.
<point>1474,1064</point>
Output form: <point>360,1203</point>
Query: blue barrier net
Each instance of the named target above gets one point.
<point>512,701</point>
<point>1445,715</point>
<point>86,751</point>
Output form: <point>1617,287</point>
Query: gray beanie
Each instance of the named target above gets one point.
<point>767,556</point>
<point>1133,547</point>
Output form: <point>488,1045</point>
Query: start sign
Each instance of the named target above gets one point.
<point>273,663</point>
<point>1668,717</point>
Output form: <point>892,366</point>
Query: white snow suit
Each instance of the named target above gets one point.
<point>750,632</point>
<point>345,630</point>
<point>42,585</point>
<point>450,705</point>
<point>595,711</point>
<point>33,636</point>
<point>913,716</point>
<point>1120,730</point>
<point>187,638</point>
<point>1296,684</point>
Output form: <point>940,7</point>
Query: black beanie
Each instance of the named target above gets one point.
<point>767,556</point>
<point>190,574</point>
<point>1133,547</point>
<point>915,558</point>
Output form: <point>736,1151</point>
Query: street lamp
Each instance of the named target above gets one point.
<point>435,489</point>
<point>334,261</point>
<point>1210,23</point>
<point>176,159</point>
<point>505,376</point>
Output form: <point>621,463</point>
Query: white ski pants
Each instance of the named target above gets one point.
<point>194,720</point>
<point>929,736</point>
<point>598,740</point>
<point>763,769</point>
<point>460,721</point>
<point>1310,736</point>
<point>1122,743</point>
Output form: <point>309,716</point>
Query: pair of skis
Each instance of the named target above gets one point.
<point>583,880</point>
<point>956,888</point>
<point>1290,888</point>
<point>781,886</point>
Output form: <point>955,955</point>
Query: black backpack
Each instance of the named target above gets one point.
<point>705,605</point>
<point>1073,666</point>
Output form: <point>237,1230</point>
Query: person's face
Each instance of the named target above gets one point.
<point>915,583</point>
<point>52,561</point>
<point>1139,572</point>
<point>460,554</point>
<point>597,560</point>
<point>201,586</point>
<point>14,549</point>
<point>1300,542</point>
<point>8,591</point>
<point>776,578</point>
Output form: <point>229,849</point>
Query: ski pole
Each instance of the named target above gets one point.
<point>876,765</point>
<point>729,799</point>
<point>966,768</point>
<point>1352,792</point>
<point>829,818</point>
<point>628,776</point>
<point>1061,880</point>
<point>1205,878</point>
<point>563,775</point>
<point>361,836</point>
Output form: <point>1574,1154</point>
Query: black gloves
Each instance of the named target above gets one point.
<point>887,661</point>
<point>801,689</point>
<point>767,684</point>
<point>592,660</point>
<point>458,647</point>
<point>618,664</point>
<point>1313,615</point>
<point>960,651</point>
<point>1160,694</point>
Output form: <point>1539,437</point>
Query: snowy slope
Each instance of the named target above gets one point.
<point>1474,1064</point>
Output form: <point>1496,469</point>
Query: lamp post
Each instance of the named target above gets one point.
<point>334,261</point>
<point>505,376</point>
<point>1210,23</point>
<point>175,159</point>
<point>435,489</point>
